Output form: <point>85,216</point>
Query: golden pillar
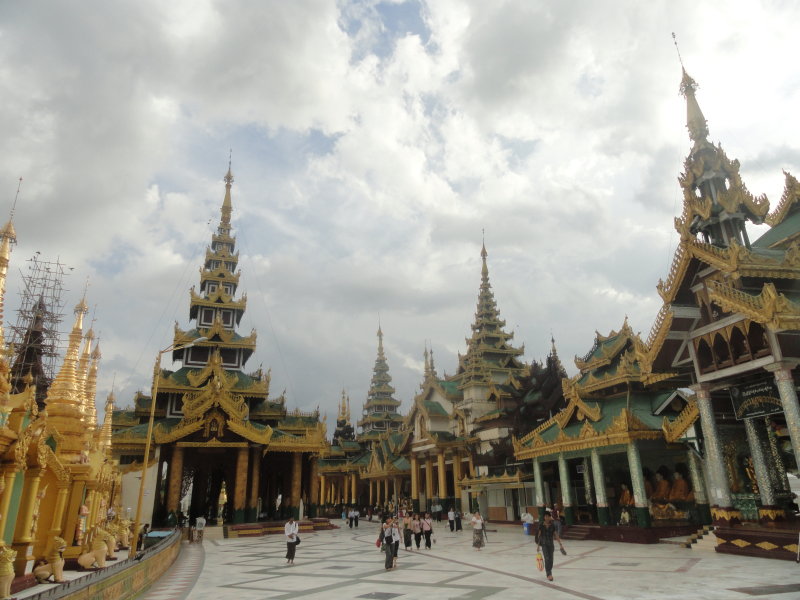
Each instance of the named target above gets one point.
<point>442,471</point>
<point>346,486</point>
<point>428,478</point>
<point>322,483</point>
<point>414,478</point>
<point>457,474</point>
<point>58,515</point>
<point>297,478</point>
<point>386,489</point>
<point>255,484</point>
<point>369,481</point>
<point>353,488</point>
<point>240,486</point>
<point>5,500</point>
<point>175,479</point>
<point>22,534</point>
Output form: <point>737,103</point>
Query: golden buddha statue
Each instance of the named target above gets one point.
<point>680,489</point>
<point>625,497</point>
<point>662,489</point>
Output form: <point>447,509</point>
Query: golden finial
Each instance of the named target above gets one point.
<point>675,41</point>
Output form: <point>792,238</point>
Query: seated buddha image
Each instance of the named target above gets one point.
<point>661,489</point>
<point>680,489</point>
<point>625,497</point>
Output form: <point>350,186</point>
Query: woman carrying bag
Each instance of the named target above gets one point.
<point>427,530</point>
<point>391,542</point>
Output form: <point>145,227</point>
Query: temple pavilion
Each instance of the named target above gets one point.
<point>223,447</point>
<point>700,422</point>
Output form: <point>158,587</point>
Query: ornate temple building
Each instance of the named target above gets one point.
<point>57,479</point>
<point>700,421</point>
<point>453,447</point>
<point>223,448</point>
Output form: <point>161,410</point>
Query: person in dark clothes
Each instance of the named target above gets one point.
<point>544,541</point>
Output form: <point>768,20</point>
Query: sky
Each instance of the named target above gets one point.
<point>374,145</point>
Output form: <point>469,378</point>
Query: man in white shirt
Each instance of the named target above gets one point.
<point>291,529</point>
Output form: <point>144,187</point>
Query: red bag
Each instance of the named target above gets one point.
<point>378,543</point>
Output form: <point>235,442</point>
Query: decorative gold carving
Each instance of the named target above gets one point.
<point>677,427</point>
<point>770,308</point>
<point>767,545</point>
<point>740,543</point>
<point>791,194</point>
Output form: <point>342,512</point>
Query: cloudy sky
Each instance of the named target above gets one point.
<point>372,144</point>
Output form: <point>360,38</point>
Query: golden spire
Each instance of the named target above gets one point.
<point>427,371</point>
<point>104,436</point>
<point>7,237</point>
<point>82,373</point>
<point>227,206</point>
<point>91,386</point>
<point>347,414</point>
<point>340,416</point>
<point>695,120</point>
<point>64,403</point>
<point>432,366</point>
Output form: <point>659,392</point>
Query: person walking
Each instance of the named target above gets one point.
<point>416,529</point>
<point>458,521</point>
<point>427,529</point>
<point>291,529</point>
<point>199,526</point>
<point>477,531</point>
<point>544,540</point>
<point>356,514</point>
<point>451,519</point>
<point>407,531</point>
<point>391,542</point>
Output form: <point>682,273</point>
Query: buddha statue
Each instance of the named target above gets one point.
<point>662,489</point>
<point>680,489</point>
<point>625,497</point>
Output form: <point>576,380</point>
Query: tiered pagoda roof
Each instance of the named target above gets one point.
<point>490,357</point>
<point>380,410</point>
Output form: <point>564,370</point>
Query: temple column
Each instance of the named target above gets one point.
<point>346,488</point>
<point>600,487</point>
<point>637,482</point>
<point>240,486</point>
<point>722,511</point>
<point>791,408</point>
<point>297,478</point>
<point>471,466</point>
<point>9,475</point>
<point>428,482</point>
<point>386,490</point>
<point>457,480</point>
<point>313,484</point>
<point>251,514</point>
<point>699,488</point>
<point>23,541</point>
<point>768,510</point>
<point>175,478</point>
<point>538,486</point>
<point>323,490</point>
<point>414,483</point>
<point>354,489</point>
<point>441,470</point>
<point>28,501</point>
<point>566,490</point>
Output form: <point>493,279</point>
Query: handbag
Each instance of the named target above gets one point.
<point>539,561</point>
<point>296,540</point>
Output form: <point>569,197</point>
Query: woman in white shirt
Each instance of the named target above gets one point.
<point>391,542</point>
<point>291,529</point>
<point>477,531</point>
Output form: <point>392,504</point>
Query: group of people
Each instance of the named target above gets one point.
<point>412,528</point>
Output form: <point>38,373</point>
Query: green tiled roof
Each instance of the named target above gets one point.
<point>434,408</point>
<point>181,377</point>
<point>788,227</point>
<point>450,387</point>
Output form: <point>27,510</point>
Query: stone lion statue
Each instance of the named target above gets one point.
<point>7,557</point>
<point>95,556</point>
<point>54,566</point>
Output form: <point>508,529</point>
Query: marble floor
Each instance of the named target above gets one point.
<point>344,563</point>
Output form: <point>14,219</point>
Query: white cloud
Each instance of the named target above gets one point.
<point>370,153</point>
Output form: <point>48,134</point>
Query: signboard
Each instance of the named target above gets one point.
<point>756,399</point>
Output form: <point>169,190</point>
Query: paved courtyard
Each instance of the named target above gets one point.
<point>344,563</point>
